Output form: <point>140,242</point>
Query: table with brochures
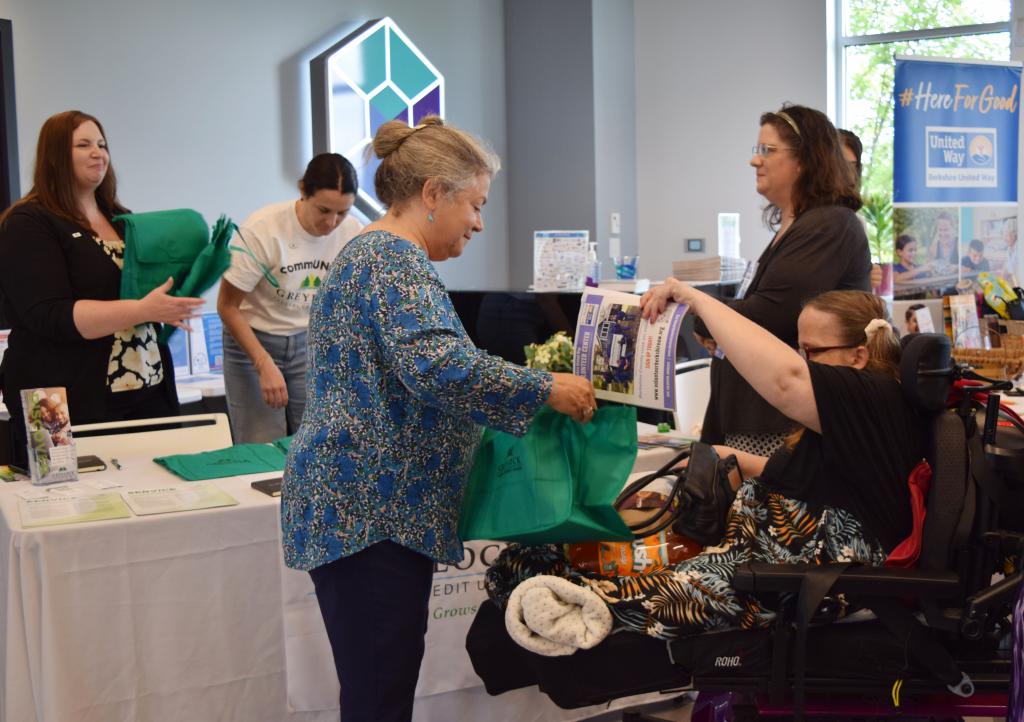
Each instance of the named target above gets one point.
<point>182,615</point>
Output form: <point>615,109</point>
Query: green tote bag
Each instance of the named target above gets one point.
<point>556,484</point>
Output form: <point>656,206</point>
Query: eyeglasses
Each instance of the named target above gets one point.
<point>808,352</point>
<point>766,149</point>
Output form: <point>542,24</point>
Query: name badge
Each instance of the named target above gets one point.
<point>748,278</point>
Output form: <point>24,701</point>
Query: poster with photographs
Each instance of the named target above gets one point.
<point>926,254</point>
<point>955,202</point>
<point>990,241</point>
<point>941,250</point>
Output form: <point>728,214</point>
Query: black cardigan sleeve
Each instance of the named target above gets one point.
<point>825,249</point>
<point>35,276</point>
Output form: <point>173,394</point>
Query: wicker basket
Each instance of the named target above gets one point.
<point>1012,328</point>
<point>1005,362</point>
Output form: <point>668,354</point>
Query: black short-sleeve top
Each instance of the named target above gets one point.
<point>871,438</point>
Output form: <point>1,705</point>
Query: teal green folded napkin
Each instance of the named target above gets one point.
<point>284,443</point>
<point>232,461</point>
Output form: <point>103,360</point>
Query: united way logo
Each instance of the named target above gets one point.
<point>373,75</point>
<point>980,151</point>
<point>960,157</point>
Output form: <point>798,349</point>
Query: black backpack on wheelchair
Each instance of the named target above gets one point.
<point>936,636</point>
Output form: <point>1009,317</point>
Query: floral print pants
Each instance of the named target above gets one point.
<point>696,595</point>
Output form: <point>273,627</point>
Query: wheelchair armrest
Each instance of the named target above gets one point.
<point>857,581</point>
<point>1009,463</point>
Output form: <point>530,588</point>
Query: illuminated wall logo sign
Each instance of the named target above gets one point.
<point>373,75</point>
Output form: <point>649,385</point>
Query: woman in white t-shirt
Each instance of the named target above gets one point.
<point>265,298</point>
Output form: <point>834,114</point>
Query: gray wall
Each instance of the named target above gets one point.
<point>571,123</point>
<point>705,72</point>
<point>550,111</point>
<point>615,113</point>
<point>205,103</point>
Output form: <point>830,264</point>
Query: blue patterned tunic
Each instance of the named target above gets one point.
<point>396,397</point>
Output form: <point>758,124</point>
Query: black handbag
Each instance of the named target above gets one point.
<point>698,501</point>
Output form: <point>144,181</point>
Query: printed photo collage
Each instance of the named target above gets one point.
<point>938,247</point>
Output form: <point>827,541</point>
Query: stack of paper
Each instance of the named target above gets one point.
<point>711,268</point>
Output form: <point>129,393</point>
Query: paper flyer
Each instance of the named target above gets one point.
<point>965,329</point>
<point>179,346</point>
<point>626,358</point>
<point>199,357</point>
<point>167,499</point>
<point>559,260</point>
<point>213,333</point>
<point>71,509</point>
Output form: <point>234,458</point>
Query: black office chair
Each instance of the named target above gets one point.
<point>945,647</point>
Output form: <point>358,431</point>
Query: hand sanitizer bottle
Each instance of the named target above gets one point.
<point>593,266</point>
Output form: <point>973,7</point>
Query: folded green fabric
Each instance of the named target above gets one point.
<point>211,262</point>
<point>232,461</point>
<point>160,244</point>
<point>284,443</point>
<point>207,268</point>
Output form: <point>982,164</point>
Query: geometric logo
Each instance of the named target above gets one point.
<point>373,75</point>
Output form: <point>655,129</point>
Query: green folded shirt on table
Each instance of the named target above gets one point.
<point>232,461</point>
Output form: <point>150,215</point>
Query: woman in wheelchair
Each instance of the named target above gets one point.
<point>836,491</point>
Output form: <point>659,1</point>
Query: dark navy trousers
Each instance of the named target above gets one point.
<point>375,605</point>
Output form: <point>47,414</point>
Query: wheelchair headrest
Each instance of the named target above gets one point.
<point>926,370</point>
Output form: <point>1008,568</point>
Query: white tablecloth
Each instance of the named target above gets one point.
<point>180,617</point>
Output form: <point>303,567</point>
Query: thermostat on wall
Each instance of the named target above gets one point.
<point>694,245</point>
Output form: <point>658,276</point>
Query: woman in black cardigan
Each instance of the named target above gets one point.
<point>60,275</point>
<point>819,246</point>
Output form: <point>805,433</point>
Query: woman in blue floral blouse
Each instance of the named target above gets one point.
<point>397,394</point>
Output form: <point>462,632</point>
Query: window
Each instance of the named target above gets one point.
<point>871,32</point>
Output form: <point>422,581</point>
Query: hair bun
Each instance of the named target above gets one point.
<point>431,150</point>
<point>390,137</point>
<point>392,134</point>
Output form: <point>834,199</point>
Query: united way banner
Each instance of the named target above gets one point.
<point>955,151</point>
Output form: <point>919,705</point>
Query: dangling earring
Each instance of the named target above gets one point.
<point>430,216</point>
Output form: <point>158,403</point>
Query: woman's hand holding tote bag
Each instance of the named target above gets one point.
<point>556,484</point>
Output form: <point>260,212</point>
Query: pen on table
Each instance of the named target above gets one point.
<point>116,463</point>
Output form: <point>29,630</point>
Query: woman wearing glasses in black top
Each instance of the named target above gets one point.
<point>819,246</point>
